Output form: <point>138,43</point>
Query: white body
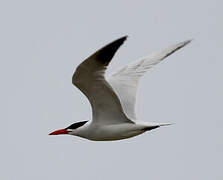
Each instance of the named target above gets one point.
<point>97,132</point>
<point>113,99</point>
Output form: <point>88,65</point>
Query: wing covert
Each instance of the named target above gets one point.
<point>89,78</point>
<point>125,81</point>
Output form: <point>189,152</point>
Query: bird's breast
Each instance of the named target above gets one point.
<point>111,132</point>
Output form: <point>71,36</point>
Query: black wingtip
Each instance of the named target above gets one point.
<point>119,41</point>
<point>123,39</point>
<point>105,54</point>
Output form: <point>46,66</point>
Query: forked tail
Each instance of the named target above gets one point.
<point>156,125</point>
<point>165,124</point>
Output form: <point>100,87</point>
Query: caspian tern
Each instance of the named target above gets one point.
<point>113,98</point>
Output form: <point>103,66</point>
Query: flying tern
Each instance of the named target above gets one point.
<point>113,98</point>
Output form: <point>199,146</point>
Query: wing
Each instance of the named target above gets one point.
<point>89,78</point>
<point>125,81</point>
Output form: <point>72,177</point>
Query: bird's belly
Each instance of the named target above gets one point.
<point>114,132</point>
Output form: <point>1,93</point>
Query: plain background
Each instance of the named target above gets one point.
<point>43,41</point>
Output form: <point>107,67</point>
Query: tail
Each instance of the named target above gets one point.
<point>156,125</point>
<point>165,124</point>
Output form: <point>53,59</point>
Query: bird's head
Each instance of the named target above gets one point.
<point>70,129</point>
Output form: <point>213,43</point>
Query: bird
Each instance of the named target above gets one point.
<point>113,98</point>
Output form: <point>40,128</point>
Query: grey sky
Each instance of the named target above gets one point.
<point>42,42</point>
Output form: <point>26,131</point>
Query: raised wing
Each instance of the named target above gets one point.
<point>89,78</point>
<point>125,81</point>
